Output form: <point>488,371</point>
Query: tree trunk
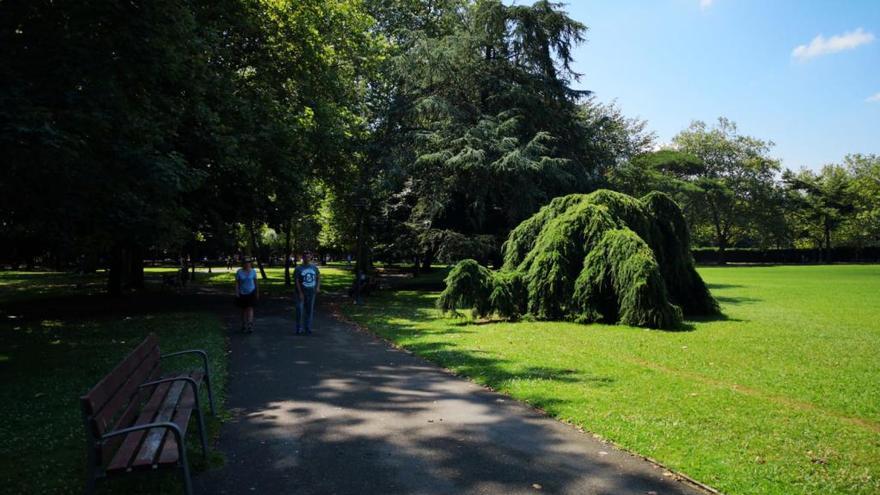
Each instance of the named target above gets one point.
<point>428,260</point>
<point>720,237</point>
<point>136,268</point>
<point>360,265</point>
<point>287,254</point>
<point>827,242</point>
<point>114,272</point>
<point>255,250</point>
<point>183,271</point>
<point>722,248</point>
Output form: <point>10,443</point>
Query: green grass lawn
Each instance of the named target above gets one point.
<point>782,396</point>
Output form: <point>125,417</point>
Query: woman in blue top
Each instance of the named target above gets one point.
<point>246,294</point>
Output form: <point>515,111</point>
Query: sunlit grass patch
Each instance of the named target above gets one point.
<point>778,396</point>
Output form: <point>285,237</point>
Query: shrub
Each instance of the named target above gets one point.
<point>509,296</point>
<point>603,256</point>
<point>468,285</point>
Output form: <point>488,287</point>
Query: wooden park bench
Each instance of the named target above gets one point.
<point>137,416</point>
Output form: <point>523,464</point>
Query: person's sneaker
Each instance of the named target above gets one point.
<point>299,331</point>
<point>308,331</point>
<point>250,328</point>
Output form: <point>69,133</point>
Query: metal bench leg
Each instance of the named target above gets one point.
<point>92,445</point>
<point>187,481</point>
<point>90,484</point>
<point>184,466</point>
<point>202,434</point>
<point>210,393</point>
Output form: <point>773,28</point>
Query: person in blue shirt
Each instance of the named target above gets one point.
<point>308,285</point>
<point>247,292</point>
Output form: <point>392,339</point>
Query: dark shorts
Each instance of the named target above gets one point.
<point>245,300</point>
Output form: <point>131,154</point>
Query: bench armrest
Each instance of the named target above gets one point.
<point>207,370</point>
<point>203,354</point>
<point>178,435</point>
<point>168,425</point>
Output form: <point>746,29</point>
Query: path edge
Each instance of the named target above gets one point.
<point>334,304</point>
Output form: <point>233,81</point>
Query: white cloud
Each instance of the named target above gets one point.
<point>873,99</point>
<point>705,4</point>
<point>837,43</point>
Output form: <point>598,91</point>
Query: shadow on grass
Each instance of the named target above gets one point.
<point>723,286</point>
<point>735,301</point>
<point>683,327</point>
<point>691,320</point>
<point>495,372</point>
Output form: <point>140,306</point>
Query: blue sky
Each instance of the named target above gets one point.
<point>673,61</point>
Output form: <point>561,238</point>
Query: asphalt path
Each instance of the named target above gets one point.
<point>342,412</point>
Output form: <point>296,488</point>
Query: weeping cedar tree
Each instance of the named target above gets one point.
<point>482,124</point>
<point>603,256</point>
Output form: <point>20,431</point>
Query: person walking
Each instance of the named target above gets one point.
<point>247,292</point>
<point>308,285</point>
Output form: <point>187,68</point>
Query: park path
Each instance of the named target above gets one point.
<point>341,412</point>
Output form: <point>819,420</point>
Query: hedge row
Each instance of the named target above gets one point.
<point>751,255</point>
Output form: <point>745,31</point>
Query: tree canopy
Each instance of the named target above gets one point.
<point>406,130</point>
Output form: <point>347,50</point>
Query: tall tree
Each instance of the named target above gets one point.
<point>96,98</point>
<point>823,200</point>
<point>864,225</point>
<point>735,181</point>
<point>481,125</point>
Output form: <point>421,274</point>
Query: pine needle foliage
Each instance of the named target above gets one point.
<point>621,282</point>
<point>522,239</point>
<point>509,295</point>
<point>603,256</point>
<point>468,285</point>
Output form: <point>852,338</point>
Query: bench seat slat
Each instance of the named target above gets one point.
<point>153,441</point>
<point>128,418</point>
<point>181,417</point>
<point>184,411</point>
<point>131,443</point>
<point>136,452</point>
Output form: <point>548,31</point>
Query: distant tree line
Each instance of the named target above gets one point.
<point>735,195</point>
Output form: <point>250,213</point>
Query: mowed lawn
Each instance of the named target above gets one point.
<point>781,396</point>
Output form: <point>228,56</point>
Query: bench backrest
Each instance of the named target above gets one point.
<point>114,402</point>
